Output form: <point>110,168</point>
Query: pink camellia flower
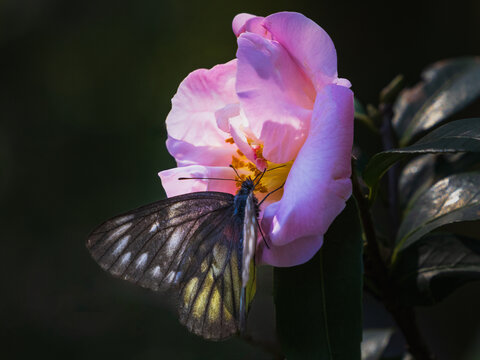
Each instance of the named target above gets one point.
<point>280,102</point>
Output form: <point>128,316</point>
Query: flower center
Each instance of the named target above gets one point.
<point>274,177</point>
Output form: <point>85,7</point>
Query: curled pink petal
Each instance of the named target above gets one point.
<point>318,184</point>
<point>249,23</point>
<point>224,115</point>
<point>343,82</point>
<point>294,253</point>
<point>276,96</point>
<point>238,23</point>
<point>308,44</point>
<point>174,187</point>
<point>189,154</point>
<point>199,96</point>
<point>232,120</point>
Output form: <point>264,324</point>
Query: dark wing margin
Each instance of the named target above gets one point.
<point>189,243</point>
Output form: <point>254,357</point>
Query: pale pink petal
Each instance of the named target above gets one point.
<point>174,187</point>
<point>241,142</point>
<point>292,254</point>
<point>232,120</point>
<point>224,115</point>
<point>318,184</point>
<point>248,23</point>
<point>189,154</point>
<point>276,96</point>
<point>308,43</point>
<point>199,96</point>
<point>343,82</point>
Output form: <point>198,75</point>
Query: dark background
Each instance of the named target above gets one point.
<point>84,91</point>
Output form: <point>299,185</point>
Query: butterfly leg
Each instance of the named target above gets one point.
<point>270,193</point>
<point>263,236</point>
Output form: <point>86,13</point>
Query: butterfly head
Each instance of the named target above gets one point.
<point>247,186</point>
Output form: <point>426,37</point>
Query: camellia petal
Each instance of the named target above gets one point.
<point>199,96</point>
<point>280,106</point>
<point>186,153</point>
<point>249,23</point>
<point>308,43</point>
<point>319,182</point>
<point>174,187</point>
<point>295,253</point>
<point>276,96</point>
<point>232,120</point>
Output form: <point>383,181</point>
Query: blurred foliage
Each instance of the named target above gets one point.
<point>457,136</point>
<point>407,266</point>
<point>374,343</point>
<point>435,266</point>
<point>455,198</point>
<point>447,87</point>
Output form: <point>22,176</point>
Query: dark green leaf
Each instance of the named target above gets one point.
<point>359,108</point>
<point>374,343</point>
<point>453,199</point>
<point>416,177</point>
<point>435,266</point>
<point>319,304</point>
<point>362,116</point>
<point>456,136</point>
<point>423,171</point>
<point>447,87</point>
<point>391,91</point>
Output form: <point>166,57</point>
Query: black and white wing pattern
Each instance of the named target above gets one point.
<point>191,244</point>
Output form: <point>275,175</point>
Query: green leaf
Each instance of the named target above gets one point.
<point>453,199</point>
<point>447,87</point>
<point>362,116</point>
<point>416,177</point>
<point>456,136</point>
<point>423,171</point>
<point>375,342</point>
<point>359,108</point>
<point>434,267</point>
<point>390,92</point>
<point>318,304</point>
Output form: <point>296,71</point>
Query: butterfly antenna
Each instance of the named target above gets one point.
<point>259,175</point>
<point>276,167</point>
<point>236,172</point>
<point>202,178</point>
<point>270,193</point>
<point>263,236</point>
<point>263,173</point>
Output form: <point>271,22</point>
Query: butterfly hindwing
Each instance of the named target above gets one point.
<point>209,301</point>
<point>191,244</point>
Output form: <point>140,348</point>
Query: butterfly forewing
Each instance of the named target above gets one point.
<point>190,243</point>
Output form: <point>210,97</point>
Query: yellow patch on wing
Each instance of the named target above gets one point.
<point>251,287</point>
<point>205,300</point>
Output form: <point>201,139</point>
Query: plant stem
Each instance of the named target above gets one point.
<point>376,270</point>
<point>406,321</point>
<point>374,265</point>
<point>389,142</point>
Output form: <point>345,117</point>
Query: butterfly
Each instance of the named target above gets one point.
<point>200,246</point>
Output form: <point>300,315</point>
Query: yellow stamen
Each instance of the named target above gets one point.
<point>271,180</point>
